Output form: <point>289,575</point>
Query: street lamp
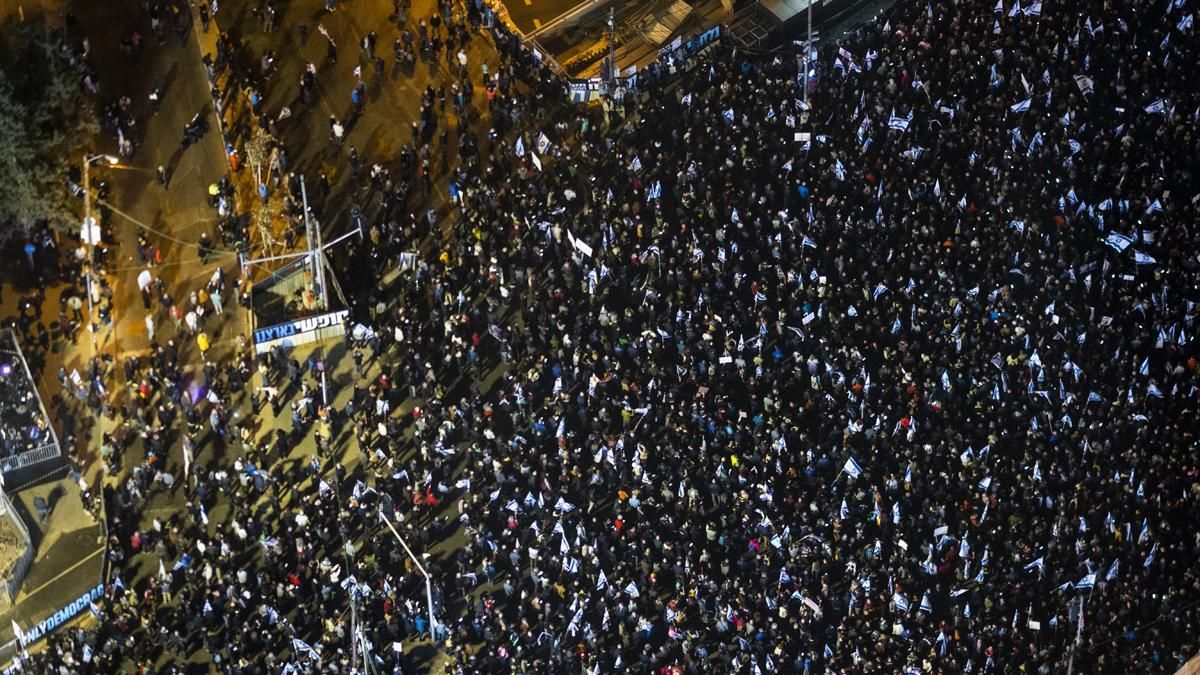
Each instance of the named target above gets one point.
<point>91,233</point>
<point>421,569</point>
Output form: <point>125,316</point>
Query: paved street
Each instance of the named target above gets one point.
<point>172,218</point>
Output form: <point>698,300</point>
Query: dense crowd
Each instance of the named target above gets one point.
<point>900,379</point>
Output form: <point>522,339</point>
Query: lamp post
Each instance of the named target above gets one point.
<point>91,234</point>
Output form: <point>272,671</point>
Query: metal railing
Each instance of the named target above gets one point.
<point>43,453</point>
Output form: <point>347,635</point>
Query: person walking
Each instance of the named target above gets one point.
<point>150,328</point>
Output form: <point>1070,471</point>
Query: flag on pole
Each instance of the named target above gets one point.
<point>301,648</point>
<point>851,467</point>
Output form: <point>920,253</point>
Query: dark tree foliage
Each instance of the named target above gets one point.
<point>46,118</point>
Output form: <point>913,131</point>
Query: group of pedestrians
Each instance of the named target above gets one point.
<point>896,376</point>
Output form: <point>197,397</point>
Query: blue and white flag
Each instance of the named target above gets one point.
<point>1143,259</point>
<point>636,165</point>
<point>1185,23</point>
<point>901,603</point>
<point>543,143</point>
<point>898,124</point>
<point>1038,564</point>
<point>1118,241</point>
<point>839,170</point>
<point>301,648</point>
<point>1021,106</point>
<point>728,115</point>
<point>520,147</point>
<point>1150,558</point>
<point>687,98</point>
<point>926,603</point>
<point>851,467</point>
<point>844,511</point>
<point>1087,581</point>
<point>785,579</point>
<point>1144,369</point>
<point>1112,570</point>
<point>655,190</point>
<point>1034,10</point>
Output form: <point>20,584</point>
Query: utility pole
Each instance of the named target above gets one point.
<point>308,235</point>
<point>808,50</point>
<point>612,51</point>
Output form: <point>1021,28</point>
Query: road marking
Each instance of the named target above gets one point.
<point>537,23</point>
<point>65,572</point>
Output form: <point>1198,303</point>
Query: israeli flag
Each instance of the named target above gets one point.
<point>845,511</point>
<point>839,170</point>
<point>1021,106</point>
<point>1144,369</point>
<point>636,165</point>
<point>898,124</point>
<point>880,289</point>
<point>602,581</point>
<point>1143,259</point>
<point>301,648</point>
<point>655,191</point>
<point>1185,23</point>
<point>728,115</point>
<point>687,99</point>
<point>520,147</point>
<point>632,590</point>
<point>1149,558</point>
<point>1112,570</point>
<point>901,603</point>
<point>1086,582</point>
<point>1118,241</point>
<point>926,604</point>
<point>809,242</point>
<point>785,579</point>
<point>851,467</point>
<point>1038,564</point>
<point>543,143</point>
<point>1034,10</point>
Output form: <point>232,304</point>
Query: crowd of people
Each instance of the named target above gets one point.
<point>895,375</point>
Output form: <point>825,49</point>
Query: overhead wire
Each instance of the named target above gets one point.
<point>164,235</point>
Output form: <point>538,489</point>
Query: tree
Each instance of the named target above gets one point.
<point>45,122</point>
